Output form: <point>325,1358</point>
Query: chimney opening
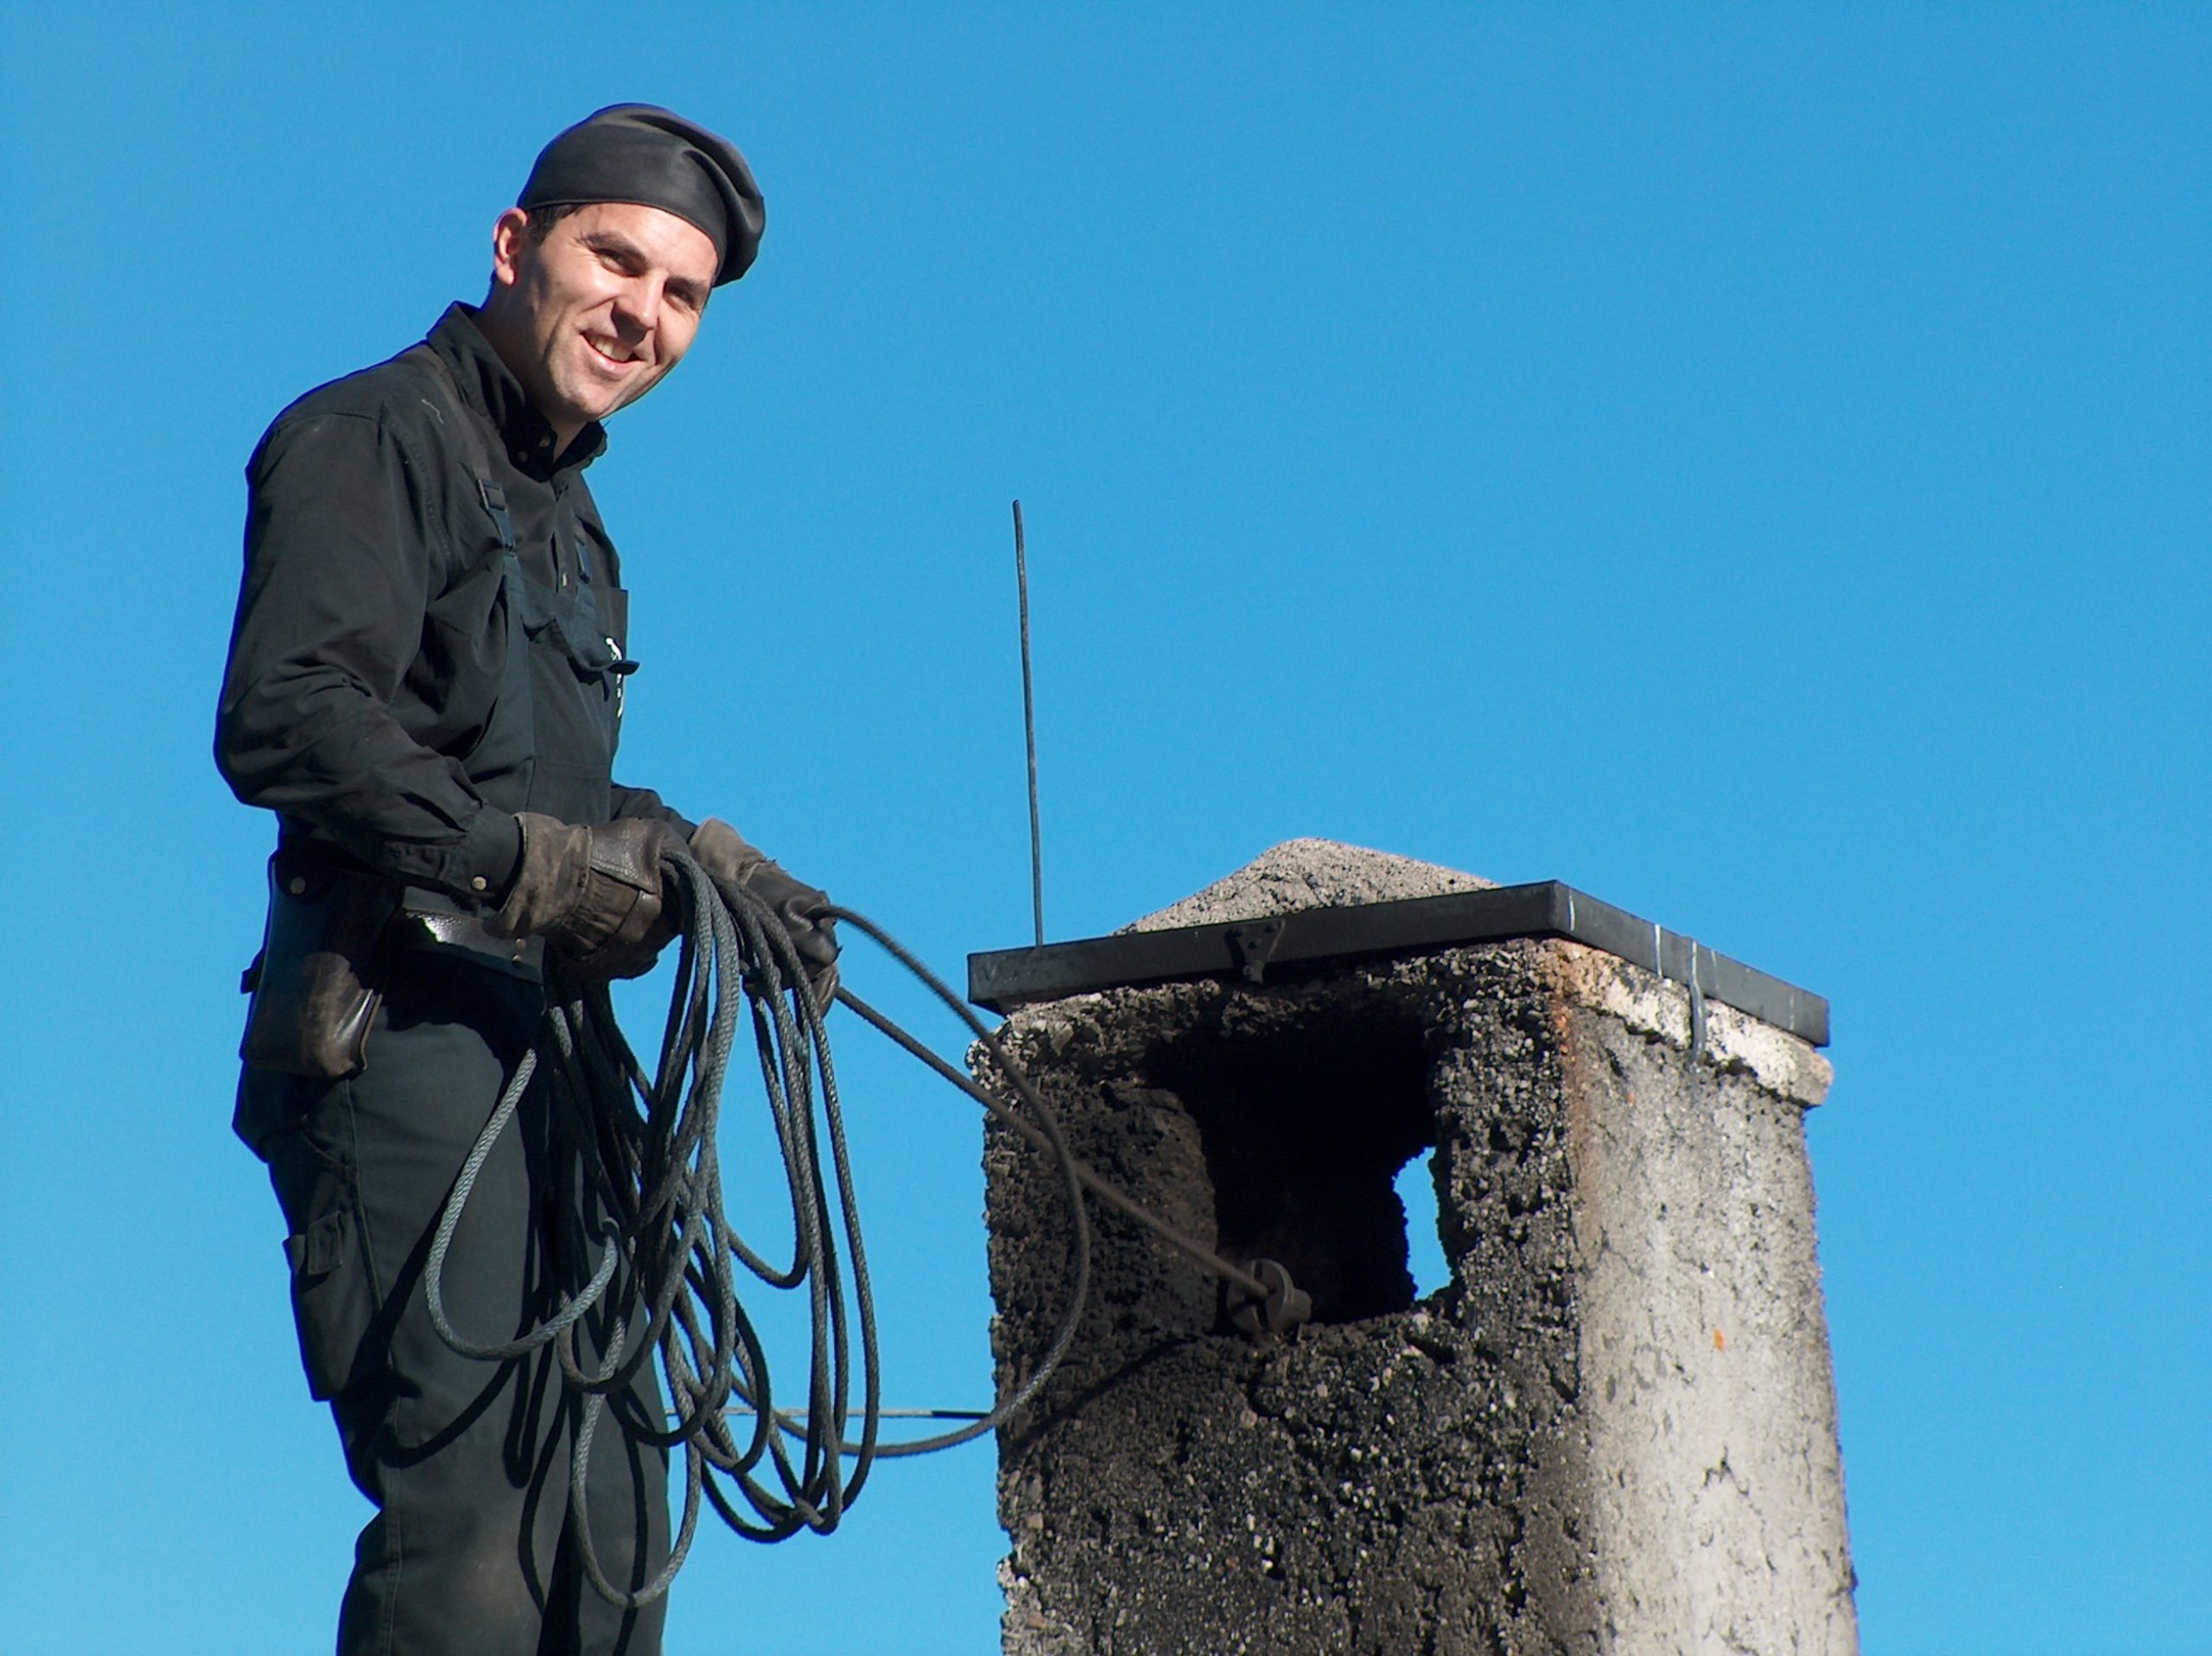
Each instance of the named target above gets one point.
<point>1308,1111</point>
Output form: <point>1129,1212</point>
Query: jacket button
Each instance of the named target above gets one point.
<point>299,885</point>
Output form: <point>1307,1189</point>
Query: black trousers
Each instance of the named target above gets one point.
<point>473,1548</point>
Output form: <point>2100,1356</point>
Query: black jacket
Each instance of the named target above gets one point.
<point>364,657</point>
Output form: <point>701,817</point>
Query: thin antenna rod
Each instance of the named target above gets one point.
<point>1029,730</point>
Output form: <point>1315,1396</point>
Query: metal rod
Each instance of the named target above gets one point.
<point>798,1417</point>
<point>1029,730</point>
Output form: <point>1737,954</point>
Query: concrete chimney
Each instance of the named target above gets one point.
<point>1614,1430</point>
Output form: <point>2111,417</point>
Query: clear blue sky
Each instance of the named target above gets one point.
<point>1754,463</point>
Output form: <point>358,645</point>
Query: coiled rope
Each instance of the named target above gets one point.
<point>668,1273</point>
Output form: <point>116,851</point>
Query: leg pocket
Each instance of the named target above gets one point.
<point>332,1301</point>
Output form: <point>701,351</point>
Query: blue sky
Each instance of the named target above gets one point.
<point>1750,464</point>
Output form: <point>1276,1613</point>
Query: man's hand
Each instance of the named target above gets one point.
<point>736,865</point>
<point>593,893</point>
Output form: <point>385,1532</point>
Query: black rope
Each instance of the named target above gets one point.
<point>666,1281</point>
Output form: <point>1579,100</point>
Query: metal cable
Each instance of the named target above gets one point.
<point>668,1273</point>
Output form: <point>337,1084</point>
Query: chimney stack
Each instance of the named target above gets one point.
<point>1613,1430</point>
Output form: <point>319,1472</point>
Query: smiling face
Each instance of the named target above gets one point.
<point>592,315</point>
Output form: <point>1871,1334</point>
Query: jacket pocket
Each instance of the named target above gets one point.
<point>333,1300</point>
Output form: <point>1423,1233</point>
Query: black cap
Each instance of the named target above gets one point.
<point>637,152</point>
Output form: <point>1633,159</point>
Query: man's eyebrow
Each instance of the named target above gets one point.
<point>613,241</point>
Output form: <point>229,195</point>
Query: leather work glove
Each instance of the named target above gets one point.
<point>593,893</point>
<point>723,852</point>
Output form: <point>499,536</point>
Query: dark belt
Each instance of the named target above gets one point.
<point>427,922</point>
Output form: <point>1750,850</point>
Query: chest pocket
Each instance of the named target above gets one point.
<point>585,625</point>
<point>583,621</point>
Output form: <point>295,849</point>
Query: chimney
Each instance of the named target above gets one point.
<point>1613,1430</point>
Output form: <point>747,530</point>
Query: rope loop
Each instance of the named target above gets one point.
<point>666,1283</point>
<point>669,1258</point>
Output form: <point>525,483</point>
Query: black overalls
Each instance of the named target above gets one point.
<point>467,1460</point>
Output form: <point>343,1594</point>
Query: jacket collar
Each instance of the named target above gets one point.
<point>493,391</point>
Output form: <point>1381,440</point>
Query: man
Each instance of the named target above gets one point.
<point>425,684</point>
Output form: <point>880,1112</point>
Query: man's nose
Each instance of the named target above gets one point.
<point>639,303</point>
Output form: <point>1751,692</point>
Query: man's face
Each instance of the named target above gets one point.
<point>594,316</point>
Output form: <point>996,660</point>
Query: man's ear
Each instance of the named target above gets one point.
<point>510,247</point>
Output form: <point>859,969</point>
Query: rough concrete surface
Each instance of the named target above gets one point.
<point>1613,1431</point>
<point>1309,874</point>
